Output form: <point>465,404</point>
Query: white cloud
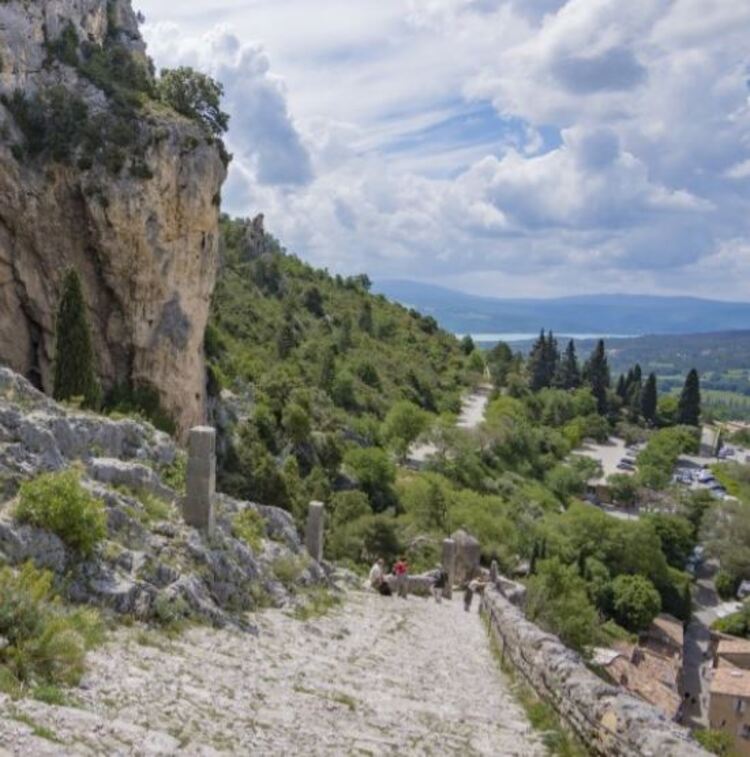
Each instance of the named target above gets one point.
<point>616,159</point>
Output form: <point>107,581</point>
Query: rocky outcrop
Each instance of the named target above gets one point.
<point>137,217</point>
<point>151,565</point>
<point>609,720</point>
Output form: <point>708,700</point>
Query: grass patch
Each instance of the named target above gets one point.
<point>37,728</point>
<point>316,603</point>
<point>288,570</point>
<point>541,715</point>
<point>51,694</point>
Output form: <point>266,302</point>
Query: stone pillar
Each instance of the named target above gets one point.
<point>449,566</point>
<point>493,572</point>
<point>314,533</point>
<point>198,508</point>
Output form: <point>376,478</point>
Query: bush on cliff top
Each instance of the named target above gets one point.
<point>58,503</point>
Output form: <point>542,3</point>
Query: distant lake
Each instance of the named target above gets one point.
<point>519,337</point>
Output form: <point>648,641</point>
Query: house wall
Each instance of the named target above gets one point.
<point>723,715</point>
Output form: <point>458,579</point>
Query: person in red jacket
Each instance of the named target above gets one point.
<point>401,571</point>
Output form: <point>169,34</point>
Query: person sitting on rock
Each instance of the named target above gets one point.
<point>377,578</point>
<point>401,571</point>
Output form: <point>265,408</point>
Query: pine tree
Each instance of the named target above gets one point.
<point>75,373</point>
<point>649,399</point>
<point>568,373</point>
<point>597,374</point>
<point>689,407</point>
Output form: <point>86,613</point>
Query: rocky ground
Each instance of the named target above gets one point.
<point>374,676</point>
<point>151,563</point>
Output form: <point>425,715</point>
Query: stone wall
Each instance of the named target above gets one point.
<point>606,718</point>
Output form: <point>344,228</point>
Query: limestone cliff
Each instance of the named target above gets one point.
<point>95,173</point>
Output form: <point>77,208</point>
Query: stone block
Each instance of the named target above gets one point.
<point>198,507</point>
<point>314,532</point>
<point>468,555</point>
<point>449,566</point>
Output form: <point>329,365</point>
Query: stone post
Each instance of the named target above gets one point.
<point>493,572</point>
<point>314,533</point>
<point>198,508</point>
<point>449,566</point>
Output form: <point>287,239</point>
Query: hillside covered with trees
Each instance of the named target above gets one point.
<point>328,385</point>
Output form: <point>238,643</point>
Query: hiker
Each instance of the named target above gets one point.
<point>441,579</point>
<point>401,571</point>
<point>475,586</point>
<point>377,578</point>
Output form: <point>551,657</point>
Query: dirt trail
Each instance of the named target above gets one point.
<point>376,676</point>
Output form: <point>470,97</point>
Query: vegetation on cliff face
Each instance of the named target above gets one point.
<point>58,124</point>
<point>75,370</point>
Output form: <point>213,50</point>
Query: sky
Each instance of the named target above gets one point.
<point>502,147</point>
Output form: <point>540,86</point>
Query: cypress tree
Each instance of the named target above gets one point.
<point>689,407</point>
<point>621,390</point>
<point>634,393</point>
<point>551,359</point>
<point>75,373</point>
<point>597,373</point>
<point>649,399</point>
<point>537,365</point>
<point>569,373</point>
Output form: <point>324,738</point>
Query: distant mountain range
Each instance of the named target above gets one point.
<point>619,314</point>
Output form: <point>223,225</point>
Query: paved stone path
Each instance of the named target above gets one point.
<point>376,676</point>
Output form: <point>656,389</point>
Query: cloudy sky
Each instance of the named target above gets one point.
<point>503,147</point>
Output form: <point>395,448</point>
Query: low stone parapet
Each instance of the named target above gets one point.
<point>606,718</point>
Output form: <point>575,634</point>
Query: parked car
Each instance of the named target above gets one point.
<point>622,465</point>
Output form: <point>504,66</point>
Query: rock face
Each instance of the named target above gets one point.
<point>142,232</point>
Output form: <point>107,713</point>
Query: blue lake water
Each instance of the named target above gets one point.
<point>520,337</point>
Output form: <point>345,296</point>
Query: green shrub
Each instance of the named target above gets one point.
<point>249,526</point>
<point>59,503</point>
<point>47,643</point>
<point>715,741</point>
<point>726,585</point>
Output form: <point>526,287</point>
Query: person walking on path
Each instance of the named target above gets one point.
<point>401,571</point>
<point>438,584</point>
<point>475,586</point>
